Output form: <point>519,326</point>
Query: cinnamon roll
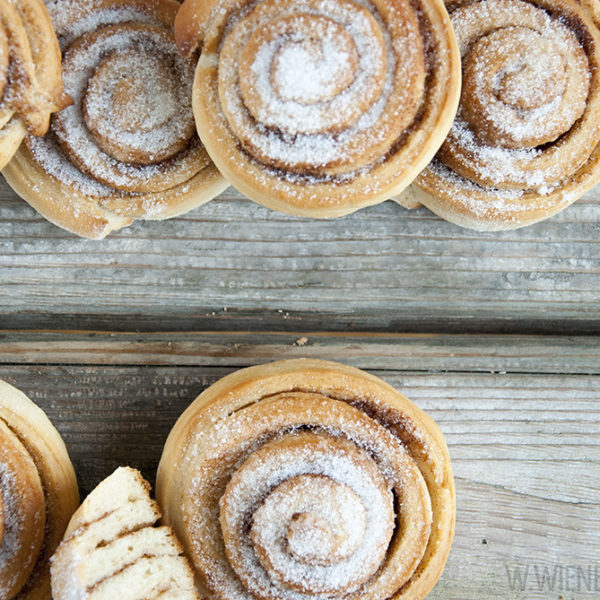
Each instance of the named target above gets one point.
<point>526,141</point>
<point>112,549</point>
<point>30,74</point>
<point>309,479</point>
<point>38,495</point>
<point>127,148</point>
<point>318,108</point>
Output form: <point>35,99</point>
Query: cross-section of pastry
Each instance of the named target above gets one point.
<point>526,140</point>
<point>127,148</point>
<point>318,108</point>
<point>30,74</point>
<point>112,550</point>
<point>38,495</point>
<point>309,479</point>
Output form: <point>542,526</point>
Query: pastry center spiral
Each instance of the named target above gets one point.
<point>311,539</point>
<point>131,126</point>
<point>532,74</point>
<point>314,66</point>
<point>133,99</point>
<point>320,85</point>
<point>325,519</point>
<point>525,81</point>
<point>133,104</point>
<point>294,68</point>
<point>311,532</point>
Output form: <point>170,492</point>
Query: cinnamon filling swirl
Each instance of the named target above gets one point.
<point>526,140</point>
<point>319,107</point>
<point>307,479</point>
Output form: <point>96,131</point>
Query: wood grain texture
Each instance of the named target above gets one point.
<point>410,352</point>
<point>232,264</point>
<point>521,415</point>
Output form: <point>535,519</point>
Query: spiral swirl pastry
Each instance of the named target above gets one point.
<point>321,107</point>
<point>38,495</point>
<point>127,148</point>
<point>526,140</point>
<point>309,479</point>
<point>30,74</point>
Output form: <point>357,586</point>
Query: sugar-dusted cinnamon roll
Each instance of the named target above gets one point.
<point>112,550</point>
<point>309,479</point>
<point>127,147</point>
<point>319,108</point>
<point>526,140</point>
<point>38,495</point>
<point>30,75</point>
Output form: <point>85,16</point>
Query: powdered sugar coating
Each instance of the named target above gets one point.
<point>23,514</point>
<point>149,114</point>
<point>253,487</point>
<point>73,18</point>
<point>523,143</point>
<point>12,517</point>
<point>161,174</point>
<point>493,153</point>
<point>346,142</point>
<point>80,63</point>
<point>284,70</point>
<point>239,442</point>
<point>293,135</point>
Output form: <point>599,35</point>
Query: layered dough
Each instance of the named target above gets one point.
<point>127,147</point>
<point>526,140</point>
<point>38,495</point>
<point>30,74</point>
<point>112,550</point>
<point>309,479</point>
<point>319,108</point>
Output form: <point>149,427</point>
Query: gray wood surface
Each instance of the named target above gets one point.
<point>232,264</point>
<point>521,415</point>
<point>114,338</point>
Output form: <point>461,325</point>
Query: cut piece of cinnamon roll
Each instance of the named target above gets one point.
<point>38,495</point>
<point>309,479</point>
<point>319,108</point>
<point>526,141</point>
<point>112,550</point>
<point>30,73</point>
<point>127,148</point>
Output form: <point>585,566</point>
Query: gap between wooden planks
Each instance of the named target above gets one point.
<point>380,351</point>
<point>521,415</point>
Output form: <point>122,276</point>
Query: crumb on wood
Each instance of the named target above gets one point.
<point>302,341</point>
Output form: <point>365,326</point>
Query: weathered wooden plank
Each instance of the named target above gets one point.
<point>524,446</point>
<point>456,353</point>
<point>383,268</point>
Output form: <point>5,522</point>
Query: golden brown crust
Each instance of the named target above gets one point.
<point>47,465</point>
<point>295,409</point>
<point>190,25</point>
<point>23,496</point>
<point>536,146</point>
<point>29,52</point>
<point>314,155</point>
<point>127,148</point>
